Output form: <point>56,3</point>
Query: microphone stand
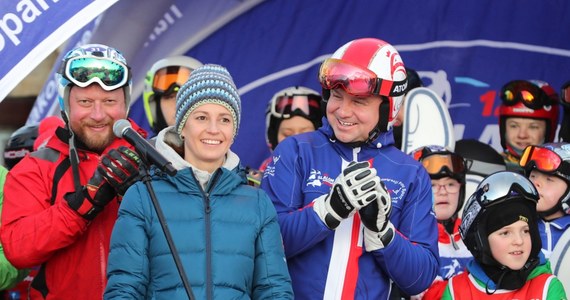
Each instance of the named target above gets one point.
<point>146,178</point>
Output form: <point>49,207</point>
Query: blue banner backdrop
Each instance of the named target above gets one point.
<point>463,50</point>
<point>31,30</point>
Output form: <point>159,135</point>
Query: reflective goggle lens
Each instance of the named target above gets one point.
<point>167,79</point>
<point>504,185</point>
<point>522,91</point>
<point>353,79</point>
<point>544,159</point>
<point>435,163</point>
<point>109,74</point>
<point>357,81</point>
<point>284,106</point>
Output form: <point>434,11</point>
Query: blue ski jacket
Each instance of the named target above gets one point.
<point>333,264</point>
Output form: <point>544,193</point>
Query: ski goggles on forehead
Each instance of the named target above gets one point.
<point>435,163</point>
<point>357,81</point>
<point>83,71</point>
<point>285,106</point>
<point>543,159</point>
<point>170,79</point>
<point>529,94</point>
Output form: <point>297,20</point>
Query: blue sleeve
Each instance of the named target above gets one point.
<point>271,277</point>
<point>282,180</point>
<point>412,259</point>
<point>128,265</point>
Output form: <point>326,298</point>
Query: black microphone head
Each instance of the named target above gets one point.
<point>120,126</point>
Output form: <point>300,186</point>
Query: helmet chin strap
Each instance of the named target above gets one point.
<point>382,126</point>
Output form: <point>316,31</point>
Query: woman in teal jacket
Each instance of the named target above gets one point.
<point>225,231</point>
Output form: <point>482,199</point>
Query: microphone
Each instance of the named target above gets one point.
<point>123,129</point>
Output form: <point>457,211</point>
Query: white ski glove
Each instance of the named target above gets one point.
<point>378,231</point>
<point>353,189</point>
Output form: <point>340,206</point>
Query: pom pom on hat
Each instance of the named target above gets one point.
<point>208,84</point>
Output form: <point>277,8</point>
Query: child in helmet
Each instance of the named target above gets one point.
<point>162,83</point>
<point>548,167</point>
<point>447,172</point>
<point>293,110</point>
<point>528,115</point>
<point>500,228</point>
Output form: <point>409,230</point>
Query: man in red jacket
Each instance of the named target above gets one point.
<point>61,201</point>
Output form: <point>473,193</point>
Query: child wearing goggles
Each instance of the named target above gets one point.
<point>447,172</point>
<point>161,86</point>
<point>500,229</point>
<point>291,111</point>
<point>548,167</point>
<point>528,115</point>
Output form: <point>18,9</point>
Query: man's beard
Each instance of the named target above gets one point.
<point>95,142</point>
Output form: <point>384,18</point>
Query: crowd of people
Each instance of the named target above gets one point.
<point>336,212</point>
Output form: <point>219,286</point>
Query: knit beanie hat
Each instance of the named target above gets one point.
<point>503,215</point>
<point>208,84</point>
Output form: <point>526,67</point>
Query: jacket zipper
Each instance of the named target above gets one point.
<point>207,219</point>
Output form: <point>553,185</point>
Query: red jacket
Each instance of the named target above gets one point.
<point>34,231</point>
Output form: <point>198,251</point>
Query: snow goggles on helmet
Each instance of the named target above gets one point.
<point>85,70</point>
<point>523,91</point>
<point>504,185</point>
<point>356,80</point>
<point>169,79</point>
<point>543,159</point>
<point>284,106</point>
<point>437,163</point>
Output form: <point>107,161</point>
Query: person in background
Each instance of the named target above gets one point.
<point>528,115</point>
<point>564,134</point>
<point>447,172</point>
<point>354,211</point>
<point>20,144</point>
<point>61,202</point>
<point>414,81</point>
<point>548,168</point>
<point>500,229</point>
<point>161,85</point>
<point>226,232</point>
<point>291,111</point>
<point>9,275</point>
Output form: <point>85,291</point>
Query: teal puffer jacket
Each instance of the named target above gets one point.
<point>228,239</point>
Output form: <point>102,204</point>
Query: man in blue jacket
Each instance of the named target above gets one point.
<point>355,212</point>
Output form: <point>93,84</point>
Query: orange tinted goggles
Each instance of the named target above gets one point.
<point>167,79</point>
<point>357,81</point>
<point>435,163</point>
<point>543,159</point>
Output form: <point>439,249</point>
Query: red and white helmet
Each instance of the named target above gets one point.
<point>365,67</point>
